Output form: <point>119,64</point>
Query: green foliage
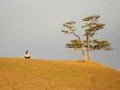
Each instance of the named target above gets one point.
<point>101,45</point>
<point>95,17</point>
<point>74,44</point>
<point>98,44</point>
<point>92,25</point>
<point>69,27</point>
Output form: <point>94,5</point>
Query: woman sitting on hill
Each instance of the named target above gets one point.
<point>27,55</point>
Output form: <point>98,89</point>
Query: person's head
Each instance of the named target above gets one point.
<point>26,52</point>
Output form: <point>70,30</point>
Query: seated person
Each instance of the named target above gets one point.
<point>27,55</point>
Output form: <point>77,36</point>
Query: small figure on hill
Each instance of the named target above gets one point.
<point>27,55</point>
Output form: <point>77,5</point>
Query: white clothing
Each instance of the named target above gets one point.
<point>27,55</point>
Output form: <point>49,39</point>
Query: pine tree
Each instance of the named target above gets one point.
<point>91,26</point>
<point>74,43</point>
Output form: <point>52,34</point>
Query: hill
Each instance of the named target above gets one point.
<point>22,74</point>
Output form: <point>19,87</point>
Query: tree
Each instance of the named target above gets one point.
<point>75,43</point>
<point>91,27</point>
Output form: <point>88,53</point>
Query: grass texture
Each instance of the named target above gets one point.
<point>33,74</point>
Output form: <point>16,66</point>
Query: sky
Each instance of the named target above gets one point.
<point>36,25</point>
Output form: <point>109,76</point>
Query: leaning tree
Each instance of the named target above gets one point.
<point>91,26</point>
<point>70,29</point>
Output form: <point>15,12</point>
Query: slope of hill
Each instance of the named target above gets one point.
<point>22,74</point>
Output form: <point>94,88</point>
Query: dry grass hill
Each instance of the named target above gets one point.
<point>22,74</point>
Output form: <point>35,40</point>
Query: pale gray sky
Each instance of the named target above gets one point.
<point>36,25</point>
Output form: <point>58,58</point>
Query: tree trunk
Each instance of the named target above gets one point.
<point>88,48</point>
<point>83,50</point>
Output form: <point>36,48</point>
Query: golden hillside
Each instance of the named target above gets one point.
<point>22,74</point>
